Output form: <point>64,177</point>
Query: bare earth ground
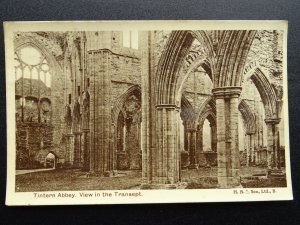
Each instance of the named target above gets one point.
<point>18,172</point>
<point>75,179</point>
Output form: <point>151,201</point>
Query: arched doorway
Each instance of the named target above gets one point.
<point>50,160</point>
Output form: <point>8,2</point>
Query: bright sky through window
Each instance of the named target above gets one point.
<point>130,39</point>
<point>30,56</point>
<point>31,64</point>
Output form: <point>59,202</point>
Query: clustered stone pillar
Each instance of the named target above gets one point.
<point>227,99</point>
<point>69,149</point>
<point>77,149</point>
<point>192,145</point>
<point>199,153</point>
<point>86,149</point>
<point>166,168</point>
<point>250,150</point>
<point>213,133</point>
<point>100,111</point>
<point>272,145</point>
<point>185,138</point>
<point>147,106</point>
<point>184,154</point>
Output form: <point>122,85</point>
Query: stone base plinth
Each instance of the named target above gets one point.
<point>276,173</point>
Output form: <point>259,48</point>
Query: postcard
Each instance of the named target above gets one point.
<point>124,112</point>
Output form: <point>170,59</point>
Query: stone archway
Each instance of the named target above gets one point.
<point>250,125</point>
<point>126,115</point>
<point>51,160</point>
<point>207,112</point>
<point>227,75</point>
<point>188,116</point>
<point>272,102</point>
<point>37,124</point>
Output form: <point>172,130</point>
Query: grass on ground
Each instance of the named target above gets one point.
<point>75,179</point>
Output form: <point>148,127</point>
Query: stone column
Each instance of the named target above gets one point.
<point>192,146</point>
<point>100,110</point>
<point>166,159</point>
<point>184,154</point>
<point>113,147</point>
<point>269,145</point>
<point>77,149</point>
<point>86,149</point>
<point>199,148</point>
<point>145,47</point>
<point>227,136</point>
<point>213,137</point>
<point>69,150</point>
<point>186,139</point>
<point>256,147</point>
<point>248,150</point>
<point>251,148</point>
<point>200,157</point>
<point>272,144</point>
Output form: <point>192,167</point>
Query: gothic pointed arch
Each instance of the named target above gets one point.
<point>187,112</point>
<point>208,104</point>
<point>267,93</point>
<point>133,90</point>
<point>126,120</point>
<point>32,42</point>
<point>171,60</point>
<point>248,116</point>
<point>208,114</point>
<point>233,48</point>
<point>200,61</point>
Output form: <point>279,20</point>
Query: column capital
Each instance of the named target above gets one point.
<point>191,125</point>
<point>227,92</point>
<point>191,130</point>
<point>167,106</point>
<point>250,132</point>
<point>272,121</point>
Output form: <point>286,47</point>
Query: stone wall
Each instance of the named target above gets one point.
<point>39,138</point>
<point>125,71</point>
<point>98,64</point>
<point>265,44</point>
<point>31,139</point>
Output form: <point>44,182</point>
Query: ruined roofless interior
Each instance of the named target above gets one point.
<point>158,102</point>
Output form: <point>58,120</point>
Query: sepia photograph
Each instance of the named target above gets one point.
<point>114,112</point>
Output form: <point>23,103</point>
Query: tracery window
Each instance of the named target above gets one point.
<point>31,64</point>
<point>33,85</point>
